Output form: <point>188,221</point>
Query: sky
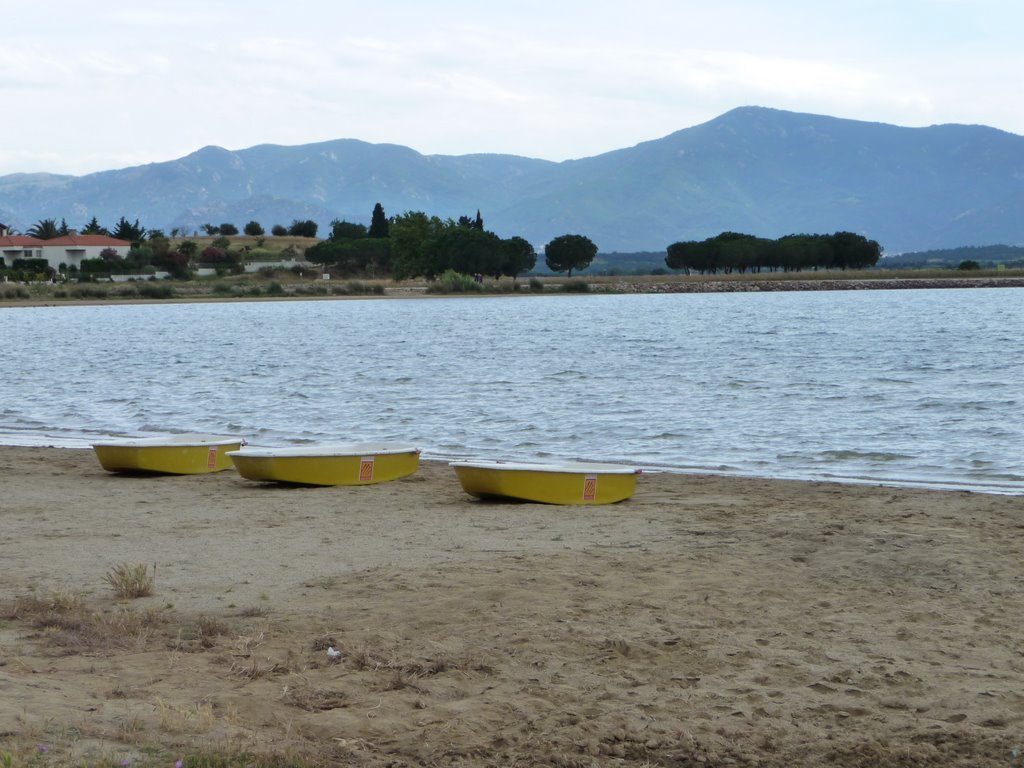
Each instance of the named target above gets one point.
<point>90,86</point>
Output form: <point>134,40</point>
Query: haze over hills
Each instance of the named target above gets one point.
<point>760,171</point>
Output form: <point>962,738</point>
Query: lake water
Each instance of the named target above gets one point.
<point>915,387</point>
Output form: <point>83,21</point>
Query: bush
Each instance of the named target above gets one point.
<point>536,285</point>
<point>969,265</point>
<point>575,286</point>
<point>275,289</point>
<point>87,292</point>
<point>356,287</point>
<point>454,282</point>
<point>156,291</point>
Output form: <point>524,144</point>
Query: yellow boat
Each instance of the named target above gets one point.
<point>563,483</point>
<point>186,454</point>
<point>347,464</point>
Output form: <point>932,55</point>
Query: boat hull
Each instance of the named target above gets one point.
<point>555,484</point>
<point>171,456</point>
<point>343,465</point>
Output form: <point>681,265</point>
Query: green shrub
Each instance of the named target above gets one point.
<point>575,286</point>
<point>357,288</point>
<point>454,282</point>
<point>89,292</point>
<point>536,285</point>
<point>156,290</point>
<point>275,289</point>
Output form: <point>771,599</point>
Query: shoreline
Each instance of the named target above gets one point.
<point>599,285</point>
<point>85,445</point>
<point>707,620</point>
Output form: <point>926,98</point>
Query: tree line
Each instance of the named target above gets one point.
<point>409,245</point>
<point>736,252</point>
<point>414,244</point>
<point>133,232</point>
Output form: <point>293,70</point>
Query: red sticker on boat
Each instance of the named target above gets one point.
<point>211,458</point>
<point>590,488</point>
<point>366,469</point>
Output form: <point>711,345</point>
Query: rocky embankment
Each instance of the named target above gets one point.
<point>756,285</point>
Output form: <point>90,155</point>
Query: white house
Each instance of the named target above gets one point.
<point>69,249</point>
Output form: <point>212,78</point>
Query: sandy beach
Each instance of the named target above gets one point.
<point>707,621</point>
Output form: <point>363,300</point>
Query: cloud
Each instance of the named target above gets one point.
<point>552,80</point>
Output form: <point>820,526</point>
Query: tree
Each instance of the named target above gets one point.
<point>94,228</point>
<point>410,235</point>
<point>253,229</point>
<point>569,252</point>
<point>853,251</point>
<point>213,255</point>
<point>518,256</point>
<point>210,229</point>
<point>44,229</point>
<point>305,228</point>
<point>378,222</point>
<point>346,230</point>
<point>278,230</point>
<point>111,257</point>
<point>227,229</point>
<point>467,251</point>
<point>683,255</point>
<point>124,230</point>
<point>174,262</point>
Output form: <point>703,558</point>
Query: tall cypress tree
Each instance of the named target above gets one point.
<point>378,222</point>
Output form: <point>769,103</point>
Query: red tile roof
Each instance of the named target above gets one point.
<point>22,241</point>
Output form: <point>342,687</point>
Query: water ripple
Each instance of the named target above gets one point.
<point>903,387</point>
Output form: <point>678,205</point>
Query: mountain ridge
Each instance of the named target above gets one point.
<point>758,170</point>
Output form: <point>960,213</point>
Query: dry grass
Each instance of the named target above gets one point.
<point>198,717</point>
<point>29,607</point>
<point>131,581</point>
<point>374,659</point>
<point>310,698</point>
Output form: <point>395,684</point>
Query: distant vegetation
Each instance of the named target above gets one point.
<point>984,256</point>
<point>410,245</point>
<point>735,252</point>
<point>453,255</point>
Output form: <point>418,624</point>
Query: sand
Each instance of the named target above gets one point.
<point>707,621</point>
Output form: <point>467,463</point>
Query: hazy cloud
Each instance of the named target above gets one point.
<point>102,86</point>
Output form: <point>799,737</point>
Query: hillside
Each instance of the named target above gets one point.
<point>756,170</point>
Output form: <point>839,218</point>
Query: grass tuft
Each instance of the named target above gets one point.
<point>131,581</point>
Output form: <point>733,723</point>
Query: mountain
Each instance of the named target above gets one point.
<point>760,171</point>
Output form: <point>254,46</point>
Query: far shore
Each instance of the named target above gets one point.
<point>247,289</point>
